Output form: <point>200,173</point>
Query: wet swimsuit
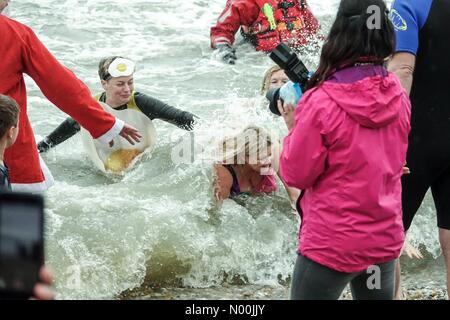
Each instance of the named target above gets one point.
<point>151,107</point>
<point>267,184</point>
<point>421,28</point>
<point>235,189</point>
<point>4,179</point>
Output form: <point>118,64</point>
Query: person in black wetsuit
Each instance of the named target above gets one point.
<point>422,64</point>
<point>116,76</point>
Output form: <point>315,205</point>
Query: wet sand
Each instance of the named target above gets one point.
<point>252,292</point>
<point>421,280</point>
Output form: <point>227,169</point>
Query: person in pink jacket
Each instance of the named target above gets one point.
<point>346,150</point>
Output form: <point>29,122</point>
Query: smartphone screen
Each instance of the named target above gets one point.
<point>21,243</point>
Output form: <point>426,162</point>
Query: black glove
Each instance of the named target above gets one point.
<point>227,53</point>
<point>64,131</point>
<point>188,121</point>
<point>43,146</point>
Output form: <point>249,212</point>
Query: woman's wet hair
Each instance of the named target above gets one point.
<point>252,142</point>
<point>104,65</point>
<point>354,39</point>
<point>267,76</point>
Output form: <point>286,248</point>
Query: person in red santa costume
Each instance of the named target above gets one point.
<point>263,23</point>
<point>22,52</point>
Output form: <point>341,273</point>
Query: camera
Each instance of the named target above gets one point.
<point>21,243</point>
<point>295,70</point>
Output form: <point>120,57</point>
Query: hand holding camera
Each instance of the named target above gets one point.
<point>291,92</point>
<point>288,113</point>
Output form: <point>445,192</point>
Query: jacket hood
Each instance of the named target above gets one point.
<point>373,102</point>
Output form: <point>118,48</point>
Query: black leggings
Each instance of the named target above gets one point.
<point>312,281</point>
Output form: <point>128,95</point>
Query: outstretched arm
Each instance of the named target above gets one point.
<point>67,129</point>
<point>66,91</point>
<point>156,109</point>
<point>236,13</point>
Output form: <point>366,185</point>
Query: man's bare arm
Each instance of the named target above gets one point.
<point>402,64</point>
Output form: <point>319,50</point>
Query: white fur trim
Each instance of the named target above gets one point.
<point>39,186</point>
<point>112,133</point>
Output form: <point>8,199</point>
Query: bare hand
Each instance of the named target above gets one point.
<point>287,112</point>
<point>411,252</point>
<point>130,134</point>
<point>406,170</point>
<point>44,290</point>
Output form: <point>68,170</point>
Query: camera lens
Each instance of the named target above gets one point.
<point>273,95</point>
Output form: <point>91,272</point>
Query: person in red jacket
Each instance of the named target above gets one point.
<point>264,23</point>
<point>22,52</point>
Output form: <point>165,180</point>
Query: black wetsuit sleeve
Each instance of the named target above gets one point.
<point>156,109</point>
<point>64,131</point>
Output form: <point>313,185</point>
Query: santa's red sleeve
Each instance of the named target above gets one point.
<point>22,52</point>
<point>65,90</point>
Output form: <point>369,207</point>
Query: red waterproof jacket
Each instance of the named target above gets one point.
<point>22,52</point>
<point>266,23</point>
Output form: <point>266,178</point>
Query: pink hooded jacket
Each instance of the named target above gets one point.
<point>346,152</point>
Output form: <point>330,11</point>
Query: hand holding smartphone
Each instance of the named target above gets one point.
<point>21,243</point>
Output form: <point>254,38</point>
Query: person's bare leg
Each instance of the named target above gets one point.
<point>398,292</point>
<point>444,239</point>
<point>412,252</point>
